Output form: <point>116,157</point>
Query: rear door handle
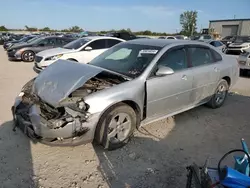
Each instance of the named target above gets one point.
<point>184,77</point>
<point>216,69</point>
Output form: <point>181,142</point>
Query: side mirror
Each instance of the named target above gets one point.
<point>41,44</point>
<point>88,48</point>
<point>163,71</point>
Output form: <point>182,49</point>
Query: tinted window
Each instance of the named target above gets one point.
<point>206,36</point>
<point>170,38</point>
<point>200,56</point>
<point>217,56</point>
<point>62,41</point>
<point>98,44</point>
<point>48,42</point>
<point>112,42</point>
<point>76,43</point>
<point>175,59</point>
<point>216,43</point>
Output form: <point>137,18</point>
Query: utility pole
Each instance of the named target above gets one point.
<point>234,16</point>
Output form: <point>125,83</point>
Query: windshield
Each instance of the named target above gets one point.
<point>127,59</point>
<point>242,39</point>
<point>76,43</point>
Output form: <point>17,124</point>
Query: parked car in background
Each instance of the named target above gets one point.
<point>167,37</point>
<point>131,84</point>
<point>244,60</point>
<point>122,35</point>
<point>217,44</point>
<point>7,45</point>
<point>240,44</point>
<point>82,50</point>
<point>181,37</point>
<point>203,37</point>
<point>27,51</point>
<point>228,40</point>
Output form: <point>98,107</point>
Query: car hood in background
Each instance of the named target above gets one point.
<point>54,51</point>
<point>239,44</point>
<point>61,78</point>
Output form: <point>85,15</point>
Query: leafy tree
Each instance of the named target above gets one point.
<point>75,29</point>
<point>188,21</point>
<point>3,28</point>
<point>30,28</point>
<point>45,29</point>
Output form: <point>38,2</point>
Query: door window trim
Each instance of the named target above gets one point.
<point>167,51</point>
<point>200,46</point>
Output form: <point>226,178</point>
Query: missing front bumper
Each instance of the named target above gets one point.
<point>70,135</point>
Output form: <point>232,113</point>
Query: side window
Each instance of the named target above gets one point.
<point>170,38</point>
<point>200,56</point>
<point>98,44</point>
<point>112,42</point>
<point>217,56</point>
<point>49,42</point>
<point>61,41</point>
<point>218,44</point>
<point>175,59</point>
<point>213,43</point>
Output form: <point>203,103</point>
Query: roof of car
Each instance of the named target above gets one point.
<point>162,42</point>
<point>101,37</point>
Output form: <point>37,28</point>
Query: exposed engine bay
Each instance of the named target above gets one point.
<point>68,120</point>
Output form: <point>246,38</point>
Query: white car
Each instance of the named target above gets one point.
<point>167,37</point>
<point>82,50</point>
<point>239,45</point>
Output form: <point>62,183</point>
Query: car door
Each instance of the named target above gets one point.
<point>97,47</point>
<point>170,93</point>
<point>205,71</point>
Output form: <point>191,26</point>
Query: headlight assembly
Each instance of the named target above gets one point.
<point>55,57</point>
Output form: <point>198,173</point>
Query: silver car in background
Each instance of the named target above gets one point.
<point>131,84</point>
<point>244,60</point>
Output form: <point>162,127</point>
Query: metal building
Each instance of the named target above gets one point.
<point>231,27</point>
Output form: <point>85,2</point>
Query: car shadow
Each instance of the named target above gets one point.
<point>16,167</point>
<point>158,154</point>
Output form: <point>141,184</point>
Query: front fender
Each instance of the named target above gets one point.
<point>129,91</point>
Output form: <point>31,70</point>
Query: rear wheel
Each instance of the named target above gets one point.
<point>28,56</point>
<point>116,126</point>
<point>220,95</point>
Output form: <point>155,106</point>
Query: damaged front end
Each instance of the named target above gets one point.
<point>66,123</point>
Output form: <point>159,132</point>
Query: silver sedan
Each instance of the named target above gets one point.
<point>131,84</point>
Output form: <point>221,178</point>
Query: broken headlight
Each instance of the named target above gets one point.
<point>79,106</point>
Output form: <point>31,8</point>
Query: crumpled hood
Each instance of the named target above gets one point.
<point>54,51</point>
<point>61,78</point>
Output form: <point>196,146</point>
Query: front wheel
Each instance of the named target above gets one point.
<point>220,95</point>
<point>28,56</point>
<point>116,126</point>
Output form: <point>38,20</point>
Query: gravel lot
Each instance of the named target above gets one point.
<point>155,157</point>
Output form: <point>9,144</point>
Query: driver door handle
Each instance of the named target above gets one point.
<point>184,77</point>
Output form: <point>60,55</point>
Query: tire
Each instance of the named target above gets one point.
<point>28,56</point>
<point>112,135</point>
<point>219,95</point>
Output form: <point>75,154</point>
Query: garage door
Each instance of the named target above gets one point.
<point>228,30</point>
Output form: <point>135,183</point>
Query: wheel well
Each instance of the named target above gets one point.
<point>227,78</point>
<point>136,108</point>
<point>71,59</point>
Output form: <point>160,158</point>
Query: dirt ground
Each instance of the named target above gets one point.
<point>155,157</point>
